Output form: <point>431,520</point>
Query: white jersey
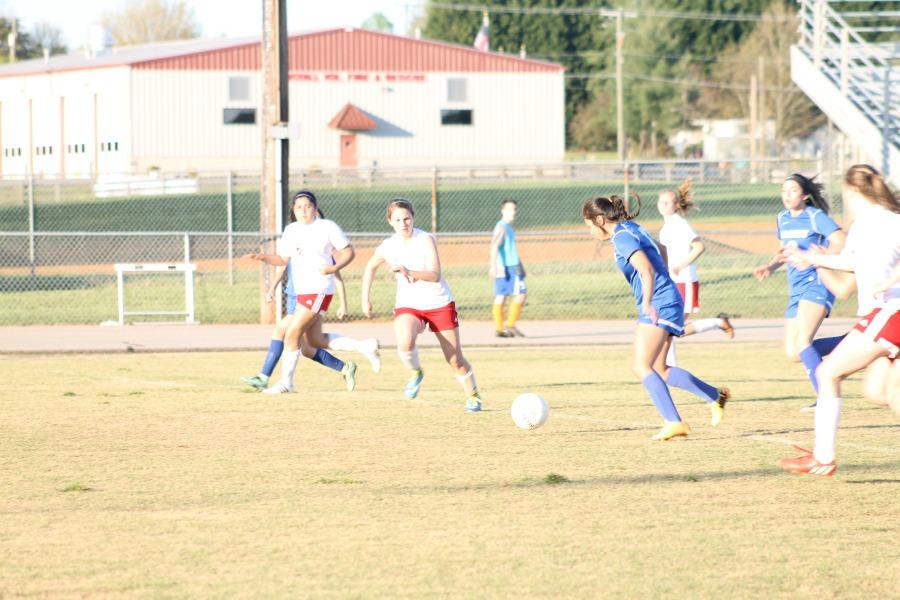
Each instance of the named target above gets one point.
<point>676,235</point>
<point>308,247</point>
<point>873,244</point>
<point>411,254</point>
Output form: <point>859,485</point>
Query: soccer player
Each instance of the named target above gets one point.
<point>661,312</point>
<point>423,298</point>
<point>872,252</point>
<point>316,248</point>
<point>804,223</point>
<point>684,247</point>
<point>507,272</point>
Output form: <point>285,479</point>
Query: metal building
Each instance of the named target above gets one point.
<point>358,99</point>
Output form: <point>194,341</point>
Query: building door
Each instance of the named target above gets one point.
<point>348,151</point>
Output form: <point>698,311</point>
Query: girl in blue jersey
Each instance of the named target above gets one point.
<point>661,311</point>
<point>802,224</point>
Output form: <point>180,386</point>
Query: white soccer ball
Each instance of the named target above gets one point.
<point>529,411</point>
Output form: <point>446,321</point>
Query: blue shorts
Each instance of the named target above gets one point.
<point>817,294</point>
<point>512,283</point>
<point>290,303</point>
<point>671,319</point>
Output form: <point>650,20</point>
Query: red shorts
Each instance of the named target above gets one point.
<point>882,326</point>
<point>690,293</point>
<point>318,303</point>
<point>438,319</point>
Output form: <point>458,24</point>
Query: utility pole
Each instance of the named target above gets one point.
<point>273,188</point>
<point>761,105</point>
<point>620,61</point>
<point>753,125</point>
<point>11,40</point>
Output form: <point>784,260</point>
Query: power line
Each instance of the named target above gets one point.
<point>685,82</point>
<point>674,57</point>
<point>610,13</point>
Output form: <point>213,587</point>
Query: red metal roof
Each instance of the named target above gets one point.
<point>351,118</point>
<point>351,50</point>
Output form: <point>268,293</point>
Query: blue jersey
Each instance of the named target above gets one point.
<point>629,237</point>
<point>810,228</point>
<point>507,255</point>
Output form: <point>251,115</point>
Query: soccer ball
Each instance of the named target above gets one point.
<point>529,411</point>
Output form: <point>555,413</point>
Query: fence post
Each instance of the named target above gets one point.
<point>31,248</point>
<point>434,199</point>
<point>886,119</point>
<point>187,248</point>
<point>230,217</point>
<point>626,171</point>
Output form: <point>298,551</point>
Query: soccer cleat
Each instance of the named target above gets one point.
<point>503,334</point>
<point>806,464</point>
<point>726,325</point>
<point>411,389</point>
<point>279,388</point>
<point>514,332</point>
<point>349,375</point>
<point>717,407</point>
<point>809,409</point>
<point>256,382</point>
<point>672,429</point>
<point>370,351</point>
<point>473,403</point>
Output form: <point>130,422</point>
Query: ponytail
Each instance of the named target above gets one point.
<point>812,190</point>
<point>612,208</point>
<point>869,183</point>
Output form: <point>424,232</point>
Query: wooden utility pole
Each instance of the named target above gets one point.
<point>753,125</point>
<point>761,105</point>
<point>273,189</point>
<point>620,61</point>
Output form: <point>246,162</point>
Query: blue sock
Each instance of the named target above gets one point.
<point>824,346</point>
<point>811,359</point>
<point>329,360</point>
<point>661,397</point>
<point>275,349</point>
<point>684,380</point>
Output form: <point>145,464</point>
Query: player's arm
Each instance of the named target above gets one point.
<point>368,276</point>
<point>432,271</point>
<point>762,272</point>
<point>496,242</point>
<point>837,262</point>
<point>697,248</point>
<point>645,270</point>
<point>279,276</point>
<point>342,258</point>
<point>663,252</point>
<point>839,283</point>
<point>342,296</point>
<point>270,259</point>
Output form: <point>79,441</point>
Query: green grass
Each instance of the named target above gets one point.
<point>198,489</point>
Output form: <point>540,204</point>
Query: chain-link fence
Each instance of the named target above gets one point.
<point>60,240</point>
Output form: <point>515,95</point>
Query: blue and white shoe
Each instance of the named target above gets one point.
<point>279,388</point>
<point>473,404</point>
<point>411,389</point>
<point>259,382</point>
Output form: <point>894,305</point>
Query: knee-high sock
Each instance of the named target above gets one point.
<point>497,311</point>
<point>329,360</point>
<point>468,383</point>
<point>661,397</point>
<point>336,341</point>
<point>685,380</point>
<point>824,346</point>
<point>811,359</point>
<point>701,325</point>
<point>672,355</point>
<point>276,347</point>
<point>828,415</point>
<point>289,366</point>
<point>515,309</point>
<point>410,360</point>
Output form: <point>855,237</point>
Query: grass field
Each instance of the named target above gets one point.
<point>156,475</point>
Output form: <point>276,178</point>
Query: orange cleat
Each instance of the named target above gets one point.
<point>726,326</point>
<point>807,464</point>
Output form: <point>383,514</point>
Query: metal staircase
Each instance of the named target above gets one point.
<point>855,82</point>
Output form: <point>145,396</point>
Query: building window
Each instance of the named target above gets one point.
<point>239,116</point>
<point>239,89</point>
<point>456,90</point>
<point>456,117</point>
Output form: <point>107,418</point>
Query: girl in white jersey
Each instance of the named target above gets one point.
<point>872,252</point>
<point>423,297</point>
<point>684,247</point>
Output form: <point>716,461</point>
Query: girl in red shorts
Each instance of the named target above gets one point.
<point>423,298</point>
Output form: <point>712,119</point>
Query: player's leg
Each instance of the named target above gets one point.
<point>892,389</point>
<point>876,381</point>
<point>715,398</point>
<point>809,318</point>
<point>369,347</point>
<point>273,355</point>
<point>407,328</point>
<point>450,346</point>
<point>497,309</point>
<point>650,342</point>
<point>515,311</point>
<point>347,369</point>
<point>298,325</point>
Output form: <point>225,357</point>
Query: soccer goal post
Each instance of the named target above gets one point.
<point>186,268</point>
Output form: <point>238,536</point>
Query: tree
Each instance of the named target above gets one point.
<point>48,36</point>
<point>146,21</point>
<point>378,22</point>
<point>25,44</point>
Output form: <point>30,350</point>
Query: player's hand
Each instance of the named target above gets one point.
<point>252,256</point>
<point>650,312</point>
<point>798,259</point>
<point>341,312</point>
<point>676,269</point>
<point>401,270</point>
<point>270,297</point>
<point>367,308</point>
<point>328,269</point>
<point>762,272</point>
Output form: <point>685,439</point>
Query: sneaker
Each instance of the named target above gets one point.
<point>473,403</point>
<point>411,389</point>
<point>514,332</point>
<point>256,382</point>
<point>370,351</point>
<point>349,375</point>
<point>808,465</point>
<point>726,325</point>
<point>717,407</point>
<point>672,429</point>
<point>809,409</point>
<point>503,334</point>
<point>279,388</point>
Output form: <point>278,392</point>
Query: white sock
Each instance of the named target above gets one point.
<point>337,341</point>
<point>701,325</point>
<point>289,360</point>
<point>671,355</point>
<point>828,415</point>
<point>468,382</point>
<point>410,360</point>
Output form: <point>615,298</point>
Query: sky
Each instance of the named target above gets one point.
<point>216,18</point>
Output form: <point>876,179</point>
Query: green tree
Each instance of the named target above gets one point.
<point>378,22</point>
<point>146,21</point>
<point>27,46</point>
